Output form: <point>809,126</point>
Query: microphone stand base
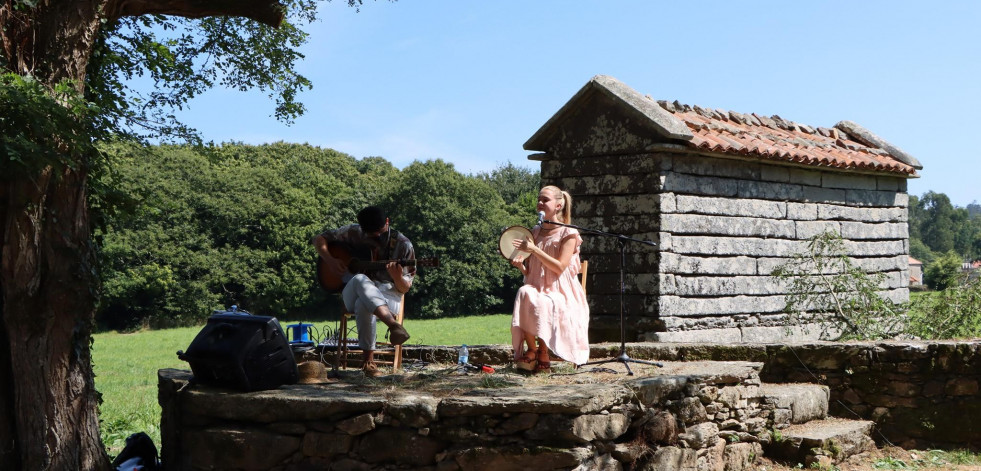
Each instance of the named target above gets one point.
<point>625,359</point>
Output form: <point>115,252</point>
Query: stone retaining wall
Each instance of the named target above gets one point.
<point>690,422</point>
<point>919,394</point>
<point>722,226</point>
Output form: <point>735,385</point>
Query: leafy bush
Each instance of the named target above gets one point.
<point>952,313</point>
<point>944,271</point>
<point>219,226</point>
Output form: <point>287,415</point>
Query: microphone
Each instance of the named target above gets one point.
<point>541,217</point>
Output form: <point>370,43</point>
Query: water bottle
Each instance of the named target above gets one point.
<point>464,355</point>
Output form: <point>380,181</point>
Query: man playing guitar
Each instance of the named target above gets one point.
<point>376,295</point>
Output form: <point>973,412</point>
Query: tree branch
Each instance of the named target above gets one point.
<point>267,12</point>
<point>838,304</point>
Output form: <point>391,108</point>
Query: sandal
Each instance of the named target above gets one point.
<point>527,362</point>
<point>543,365</point>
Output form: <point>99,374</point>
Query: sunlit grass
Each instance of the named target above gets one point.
<point>126,375</point>
<point>930,459</point>
<point>473,330</point>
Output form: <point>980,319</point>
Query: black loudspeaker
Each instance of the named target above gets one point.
<point>241,351</point>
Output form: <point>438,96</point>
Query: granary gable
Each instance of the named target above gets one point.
<point>607,117</point>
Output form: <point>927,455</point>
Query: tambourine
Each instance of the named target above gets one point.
<point>510,235</point>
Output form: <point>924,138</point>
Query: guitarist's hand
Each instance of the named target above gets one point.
<point>394,269</point>
<point>335,266</point>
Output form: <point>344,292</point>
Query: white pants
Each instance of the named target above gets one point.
<point>362,296</point>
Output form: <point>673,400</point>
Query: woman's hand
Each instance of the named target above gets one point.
<point>524,245</point>
<point>519,263</point>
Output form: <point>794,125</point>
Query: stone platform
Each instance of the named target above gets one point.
<point>700,415</point>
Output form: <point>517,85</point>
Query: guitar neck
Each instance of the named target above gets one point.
<point>360,266</point>
<point>333,282</point>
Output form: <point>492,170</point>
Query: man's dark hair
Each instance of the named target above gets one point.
<point>372,219</point>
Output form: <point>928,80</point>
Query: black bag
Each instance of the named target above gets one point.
<point>141,450</point>
<point>241,351</point>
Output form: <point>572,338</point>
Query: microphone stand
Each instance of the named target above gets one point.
<point>622,244</point>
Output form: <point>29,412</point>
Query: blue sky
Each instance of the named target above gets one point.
<point>469,82</point>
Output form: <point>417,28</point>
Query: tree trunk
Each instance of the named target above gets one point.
<point>48,401</point>
<point>48,308</point>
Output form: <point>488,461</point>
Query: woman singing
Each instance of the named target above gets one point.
<point>550,311</point>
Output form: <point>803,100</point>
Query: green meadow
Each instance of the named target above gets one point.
<point>126,365</point>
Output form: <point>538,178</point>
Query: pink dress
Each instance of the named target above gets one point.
<point>553,307</point>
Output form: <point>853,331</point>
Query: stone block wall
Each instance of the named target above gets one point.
<point>919,394</point>
<point>695,423</point>
<point>722,226</point>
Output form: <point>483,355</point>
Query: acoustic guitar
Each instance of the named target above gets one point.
<point>359,260</point>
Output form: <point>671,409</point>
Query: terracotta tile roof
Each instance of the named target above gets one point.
<point>846,146</point>
<point>774,138</point>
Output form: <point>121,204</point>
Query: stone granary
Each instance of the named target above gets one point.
<point>727,197</point>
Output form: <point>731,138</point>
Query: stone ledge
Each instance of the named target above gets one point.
<point>835,438</point>
<point>574,399</point>
<point>921,394</point>
<point>528,426</point>
<point>806,402</point>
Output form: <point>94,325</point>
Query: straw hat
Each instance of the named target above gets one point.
<point>312,372</point>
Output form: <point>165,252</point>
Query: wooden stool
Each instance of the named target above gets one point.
<point>393,353</point>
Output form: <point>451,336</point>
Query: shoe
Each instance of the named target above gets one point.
<point>397,334</point>
<point>371,370</point>
<point>526,365</point>
<point>527,362</point>
<point>544,365</point>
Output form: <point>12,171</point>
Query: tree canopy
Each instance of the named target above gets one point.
<point>939,230</point>
<point>146,67</point>
<point>231,224</point>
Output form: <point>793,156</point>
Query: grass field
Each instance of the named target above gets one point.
<point>126,366</point>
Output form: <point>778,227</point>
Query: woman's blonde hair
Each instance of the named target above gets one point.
<point>565,215</point>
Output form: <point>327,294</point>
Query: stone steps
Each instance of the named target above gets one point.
<point>803,432</point>
<point>795,403</point>
<point>824,441</point>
